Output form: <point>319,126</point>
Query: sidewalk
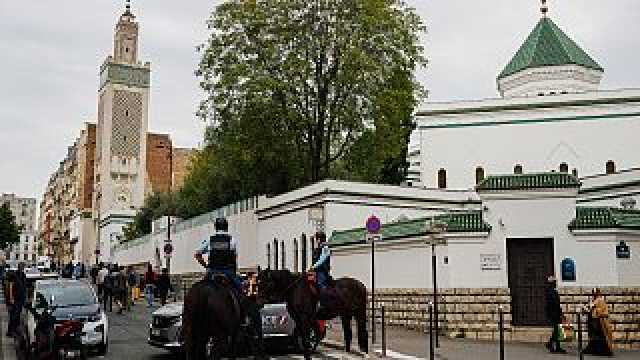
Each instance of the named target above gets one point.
<point>406,344</point>
<point>7,350</point>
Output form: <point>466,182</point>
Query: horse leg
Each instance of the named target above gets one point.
<point>346,330</point>
<point>363,335</point>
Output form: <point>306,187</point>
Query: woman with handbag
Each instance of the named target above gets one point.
<point>598,326</point>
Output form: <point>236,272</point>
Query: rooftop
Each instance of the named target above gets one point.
<point>551,180</point>
<point>548,45</point>
<point>591,218</point>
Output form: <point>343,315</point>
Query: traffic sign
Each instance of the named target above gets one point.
<point>373,225</point>
<point>168,249</point>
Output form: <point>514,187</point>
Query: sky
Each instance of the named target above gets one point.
<point>51,51</point>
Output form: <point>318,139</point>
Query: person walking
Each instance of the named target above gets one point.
<point>93,272</point>
<point>164,286</point>
<point>102,274</point>
<point>107,290</point>
<point>120,288</point>
<point>132,285</point>
<point>553,312</point>
<point>17,292</point>
<point>598,326</point>
<point>149,284</point>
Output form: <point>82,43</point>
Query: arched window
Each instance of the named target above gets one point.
<point>303,251</point>
<point>269,256</point>
<point>275,254</point>
<point>295,255</point>
<point>517,169</point>
<point>564,168</point>
<point>442,179</point>
<point>574,172</point>
<point>479,175</point>
<point>611,167</point>
<point>283,256</point>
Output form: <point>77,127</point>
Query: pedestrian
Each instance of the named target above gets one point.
<point>598,326</point>
<point>149,284</point>
<point>164,286</point>
<point>3,264</point>
<point>120,288</point>
<point>102,274</point>
<point>94,276</point>
<point>132,285</point>
<point>107,290</point>
<point>553,312</point>
<point>17,292</point>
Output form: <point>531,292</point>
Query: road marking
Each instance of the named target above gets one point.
<point>396,355</point>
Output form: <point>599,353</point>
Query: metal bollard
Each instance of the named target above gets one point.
<point>384,335</point>
<point>501,328</point>
<point>579,326</point>
<point>432,354</point>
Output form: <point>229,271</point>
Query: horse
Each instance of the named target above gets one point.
<point>211,320</point>
<point>302,300</point>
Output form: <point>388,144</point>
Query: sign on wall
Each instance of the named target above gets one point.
<point>568,269</point>
<point>490,261</point>
<point>623,251</point>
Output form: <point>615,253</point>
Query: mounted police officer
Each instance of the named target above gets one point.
<point>222,251</point>
<point>321,258</point>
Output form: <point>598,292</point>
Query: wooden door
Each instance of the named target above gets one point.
<point>530,262</point>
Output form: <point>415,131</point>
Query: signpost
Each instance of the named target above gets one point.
<point>435,230</point>
<point>373,227</point>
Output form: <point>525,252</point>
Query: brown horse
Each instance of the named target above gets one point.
<point>211,321</point>
<point>302,302</point>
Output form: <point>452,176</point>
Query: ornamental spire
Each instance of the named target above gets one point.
<point>544,9</point>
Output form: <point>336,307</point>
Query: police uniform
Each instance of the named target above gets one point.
<point>222,251</point>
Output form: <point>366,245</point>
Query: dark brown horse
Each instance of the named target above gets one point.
<point>211,321</point>
<point>302,302</point>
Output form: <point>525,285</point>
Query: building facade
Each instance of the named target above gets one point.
<point>114,163</point>
<point>24,211</point>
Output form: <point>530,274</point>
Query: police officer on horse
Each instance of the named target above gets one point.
<point>321,258</point>
<point>222,251</point>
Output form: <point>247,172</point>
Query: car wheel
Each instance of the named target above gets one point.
<point>103,348</point>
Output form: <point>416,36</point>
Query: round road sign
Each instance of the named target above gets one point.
<point>168,249</point>
<point>373,225</point>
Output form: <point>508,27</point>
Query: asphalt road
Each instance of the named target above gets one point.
<point>128,339</point>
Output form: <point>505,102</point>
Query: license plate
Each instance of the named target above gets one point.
<point>155,332</point>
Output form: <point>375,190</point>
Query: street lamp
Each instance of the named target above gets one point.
<point>435,231</point>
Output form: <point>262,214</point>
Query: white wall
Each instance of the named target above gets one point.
<point>539,147</point>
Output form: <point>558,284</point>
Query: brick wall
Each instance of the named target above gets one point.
<point>473,313</point>
<point>158,166</point>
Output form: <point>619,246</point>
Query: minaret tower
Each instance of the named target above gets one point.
<point>123,101</point>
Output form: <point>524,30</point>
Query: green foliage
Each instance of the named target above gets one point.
<point>296,89</point>
<point>155,206</point>
<point>9,230</point>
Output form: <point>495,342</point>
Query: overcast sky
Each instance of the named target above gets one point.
<point>50,53</point>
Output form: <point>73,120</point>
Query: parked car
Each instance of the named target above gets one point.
<point>73,300</point>
<point>165,330</point>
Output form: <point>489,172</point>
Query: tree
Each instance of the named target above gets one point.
<point>9,230</point>
<point>294,87</point>
<point>155,206</point>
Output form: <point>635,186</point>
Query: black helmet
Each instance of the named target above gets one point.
<point>221,224</point>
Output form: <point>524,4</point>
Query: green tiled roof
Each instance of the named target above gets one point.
<point>547,45</point>
<point>552,180</point>
<point>456,223</point>
<point>605,218</point>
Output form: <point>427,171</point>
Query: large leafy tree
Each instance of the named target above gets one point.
<point>9,230</point>
<point>298,90</point>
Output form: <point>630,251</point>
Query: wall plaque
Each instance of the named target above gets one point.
<point>490,261</point>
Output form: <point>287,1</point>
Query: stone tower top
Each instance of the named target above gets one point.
<point>125,42</point>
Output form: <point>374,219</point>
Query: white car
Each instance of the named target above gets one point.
<point>73,300</point>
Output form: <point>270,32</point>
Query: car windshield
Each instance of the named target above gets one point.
<point>67,294</point>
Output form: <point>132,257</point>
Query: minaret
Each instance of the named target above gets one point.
<point>123,100</point>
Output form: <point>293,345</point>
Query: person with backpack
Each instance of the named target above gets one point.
<point>107,290</point>
<point>120,288</point>
<point>132,286</point>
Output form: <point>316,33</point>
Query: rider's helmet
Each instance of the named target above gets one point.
<point>221,224</point>
<point>321,238</point>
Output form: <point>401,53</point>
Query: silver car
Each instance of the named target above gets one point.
<point>165,330</point>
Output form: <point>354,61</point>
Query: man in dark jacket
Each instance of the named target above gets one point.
<point>17,291</point>
<point>164,286</point>
<point>553,313</point>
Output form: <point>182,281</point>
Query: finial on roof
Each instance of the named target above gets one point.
<point>128,5</point>
<point>544,8</point>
